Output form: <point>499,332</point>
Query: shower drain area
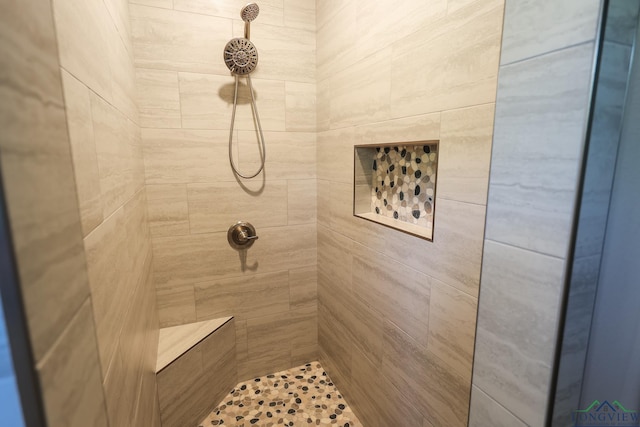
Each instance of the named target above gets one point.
<point>301,396</point>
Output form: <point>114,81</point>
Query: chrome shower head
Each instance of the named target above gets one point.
<point>240,56</point>
<point>249,12</point>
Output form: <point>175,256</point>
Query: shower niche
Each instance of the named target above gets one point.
<point>395,185</point>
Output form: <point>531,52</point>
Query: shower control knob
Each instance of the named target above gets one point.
<point>241,235</point>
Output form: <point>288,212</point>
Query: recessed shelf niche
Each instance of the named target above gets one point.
<point>395,185</point>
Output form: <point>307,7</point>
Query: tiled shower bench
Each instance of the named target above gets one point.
<point>196,368</point>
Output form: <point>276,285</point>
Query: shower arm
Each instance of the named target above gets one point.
<point>247,30</point>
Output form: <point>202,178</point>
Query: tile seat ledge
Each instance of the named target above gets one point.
<point>175,341</point>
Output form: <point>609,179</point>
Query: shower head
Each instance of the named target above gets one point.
<point>249,12</point>
<point>240,56</point>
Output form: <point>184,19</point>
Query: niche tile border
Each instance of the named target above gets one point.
<point>395,185</point>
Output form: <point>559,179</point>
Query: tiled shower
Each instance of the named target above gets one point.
<point>139,101</point>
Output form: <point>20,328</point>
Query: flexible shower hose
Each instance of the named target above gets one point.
<point>254,110</point>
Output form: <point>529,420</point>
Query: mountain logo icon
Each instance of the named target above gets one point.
<point>605,414</point>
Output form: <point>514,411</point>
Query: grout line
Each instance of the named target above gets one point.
<point>551,52</point>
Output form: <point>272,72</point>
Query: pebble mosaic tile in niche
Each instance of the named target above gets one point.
<point>403,185</point>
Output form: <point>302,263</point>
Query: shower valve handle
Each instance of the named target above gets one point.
<point>242,235</point>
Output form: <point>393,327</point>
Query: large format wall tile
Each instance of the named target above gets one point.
<point>532,28</point>
<point>398,292</point>
<point>515,338</point>
<point>397,71</point>
<point>300,106</point>
<point>487,412</point>
<point>290,155</point>
<point>244,297</point>
<point>541,109</point>
<point>82,33</point>
<point>83,150</point>
<point>360,93</point>
<point>424,379</point>
<point>271,11</point>
<point>175,156</point>
<point>465,154</point>
<point>207,102</point>
<point>168,209</point>
<point>179,41</point>
<point>70,382</point>
<point>284,53</point>
<point>204,257</point>
<point>215,207</point>
<point>119,155</point>
<point>452,327</point>
<point>158,98</point>
<point>460,69</point>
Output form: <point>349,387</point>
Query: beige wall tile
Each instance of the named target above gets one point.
<point>360,93</point>
<point>83,150</point>
<point>465,154</point>
<point>120,396</point>
<point>176,305</point>
<point>336,347</point>
<point>269,339</point>
<point>423,127</point>
<point>486,411</point>
<point>118,260</point>
<point>300,14</point>
<point>119,155</point>
<point>303,287</point>
<point>179,41</point>
<point>526,208</point>
<point>335,36</point>
<point>184,156</point>
<point>424,379</point>
<point>207,102</point>
<point>38,181</point>
<point>300,106</point>
<point>383,22</point>
<point>71,383</point>
<point>290,155</point>
<point>183,390</point>
<point>271,11</point>
<point>158,98</point>
<point>165,4</point>
<point>302,201</point>
<point>217,206</point>
<point>168,209</point>
<point>304,355</point>
<point>123,74</point>
<point>335,258</point>
<point>119,13</point>
<point>513,278</point>
<point>452,327</point>
<point>285,53</point>
<point>364,391</point>
<point>335,155</point>
<point>396,291</point>
<point>219,363</point>
<point>532,29</point>
<point>461,68</point>
<point>83,34</point>
<point>243,297</point>
<point>38,190</point>
<point>323,104</point>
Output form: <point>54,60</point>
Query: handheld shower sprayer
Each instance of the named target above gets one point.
<point>248,14</point>
<point>241,57</point>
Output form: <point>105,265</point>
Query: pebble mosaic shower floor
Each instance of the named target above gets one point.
<point>301,396</point>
